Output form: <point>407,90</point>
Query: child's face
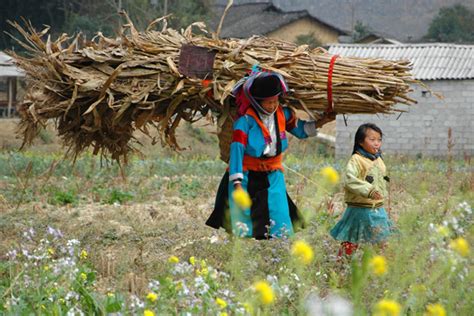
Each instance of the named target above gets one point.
<point>372,141</point>
<point>270,104</point>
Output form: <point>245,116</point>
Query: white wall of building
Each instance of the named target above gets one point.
<point>424,128</point>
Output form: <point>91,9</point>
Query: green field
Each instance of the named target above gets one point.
<point>95,239</point>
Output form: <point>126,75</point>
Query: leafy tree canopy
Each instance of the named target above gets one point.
<point>308,39</point>
<point>361,30</point>
<point>92,16</point>
<point>453,24</point>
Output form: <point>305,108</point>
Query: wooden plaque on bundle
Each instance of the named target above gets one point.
<point>196,61</point>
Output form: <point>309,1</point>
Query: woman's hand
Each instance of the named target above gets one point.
<point>376,195</point>
<point>241,197</point>
<point>325,118</point>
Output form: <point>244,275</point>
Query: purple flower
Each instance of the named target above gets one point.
<point>56,233</point>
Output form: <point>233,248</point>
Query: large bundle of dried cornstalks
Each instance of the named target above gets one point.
<point>101,91</point>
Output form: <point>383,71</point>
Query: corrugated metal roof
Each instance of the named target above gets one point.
<point>8,67</point>
<point>431,61</point>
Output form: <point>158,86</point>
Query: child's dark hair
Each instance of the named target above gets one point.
<point>362,132</point>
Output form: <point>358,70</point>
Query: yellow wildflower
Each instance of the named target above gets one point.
<point>248,308</point>
<point>173,259</point>
<point>148,312</point>
<point>302,251</point>
<point>46,268</point>
<point>460,245</point>
<point>330,174</point>
<point>265,292</point>
<point>204,271</point>
<point>83,255</point>
<point>242,199</point>
<point>83,276</point>
<point>435,310</point>
<point>387,307</point>
<point>152,297</point>
<point>51,251</point>
<point>221,303</point>
<point>223,314</point>
<point>110,294</point>
<point>443,230</point>
<point>192,260</point>
<point>378,265</point>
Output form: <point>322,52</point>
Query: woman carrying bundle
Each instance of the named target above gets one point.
<point>258,141</point>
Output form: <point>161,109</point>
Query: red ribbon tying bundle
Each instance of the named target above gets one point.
<point>330,107</point>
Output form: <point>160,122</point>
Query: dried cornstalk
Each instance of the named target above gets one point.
<point>101,91</point>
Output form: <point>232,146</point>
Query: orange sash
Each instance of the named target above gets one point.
<point>271,163</point>
<point>263,164</point>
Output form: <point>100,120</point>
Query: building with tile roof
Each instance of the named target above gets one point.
<point>9,83</point>
<point>401,20</point>
<point>245,20</point>
<point>424,128</point>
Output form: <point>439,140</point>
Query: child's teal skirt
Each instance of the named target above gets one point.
<point>361,224</point>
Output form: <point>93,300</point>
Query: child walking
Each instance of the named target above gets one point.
<point>365,219</point>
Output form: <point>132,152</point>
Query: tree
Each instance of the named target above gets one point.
<point>89,17</point>
<point>186,12</point>
<point>39,12</point>
<point>92,16</point>
<point>308,39</point>
<point>361,30</point>
<point>453,24</point>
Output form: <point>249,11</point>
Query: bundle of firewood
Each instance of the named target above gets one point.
<point>99,92</point>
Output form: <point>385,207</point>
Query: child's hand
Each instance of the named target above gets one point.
<point>376,196</point>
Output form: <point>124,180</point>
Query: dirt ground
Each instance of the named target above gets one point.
<point>142,229</point>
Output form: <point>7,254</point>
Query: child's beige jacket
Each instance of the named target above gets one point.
<point>363,177</point>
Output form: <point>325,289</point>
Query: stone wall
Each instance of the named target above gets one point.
<point>424,128</point>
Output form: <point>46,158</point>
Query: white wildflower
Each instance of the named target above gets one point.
<point>272,279</point>
<point>154,285</point>
<point>242,229</point>
<point>214,239</point>
<point>330,306</point>
<point>72,296</point>
<point>12,254</point>
<point>182,268</point>
<point>136,303</point>
<point>201,286</point>
<point>74,312</point>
